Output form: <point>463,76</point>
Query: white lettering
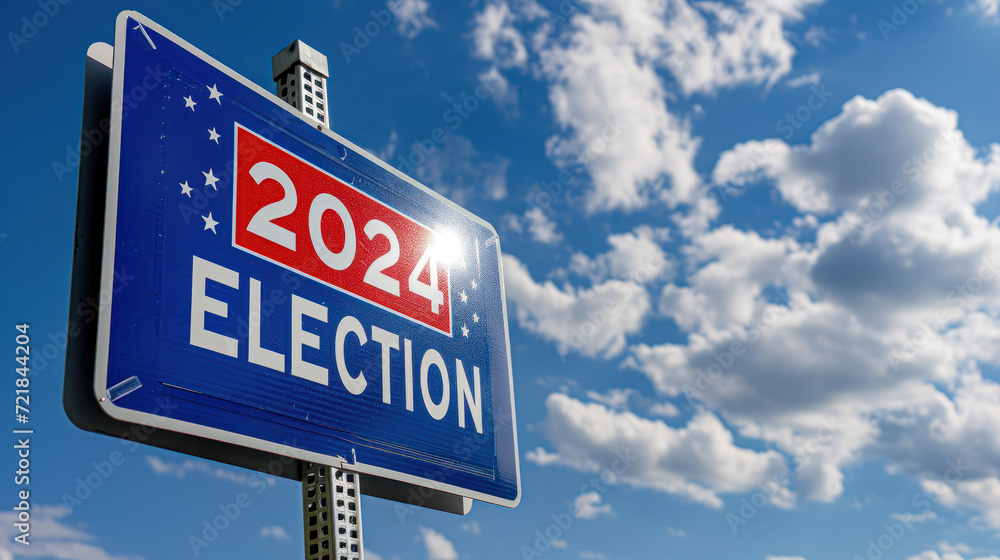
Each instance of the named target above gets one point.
<point>300,338</point>
<point>389,341</point>
<point>356,385</point>
<point>259,355</point>
<point>433,358</point>
<point>202,270</point>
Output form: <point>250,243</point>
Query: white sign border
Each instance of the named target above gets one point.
<point>107,287</point>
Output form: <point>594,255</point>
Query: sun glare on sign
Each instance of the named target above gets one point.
<point>448,247</point>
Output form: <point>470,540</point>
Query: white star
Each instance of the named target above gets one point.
<point>213,135</point>
<point>465,331</point>
<point>210,179</point>
<point>185,189</point>
<point>473,284</point>
<point>215,94</point>
<point>210,223</point>
<point>475,317</point>
<point>189,103</point>
<point>465,298</point>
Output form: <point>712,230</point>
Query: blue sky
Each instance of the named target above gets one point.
<point>751,246</point>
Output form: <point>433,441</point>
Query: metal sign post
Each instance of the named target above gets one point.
<point>331,497</point>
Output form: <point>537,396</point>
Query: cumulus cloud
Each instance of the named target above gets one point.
<point>603,65</point>
<point>896,137</point>
<point>636,256</point>
<point>497,39</point>
<point>438,546</point>
<point>588,506</point>
<point>697,462</point>
<point>593,321</point>
<point>412,16</point>
<point>611,106</point>
<point>613,398</point>
<point>729,286</point>
<point>53,537</point>
<point>878,323</point>
<point>504,94</point>
<point>538,225</point>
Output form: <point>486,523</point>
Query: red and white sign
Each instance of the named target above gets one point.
<point>294,214</point>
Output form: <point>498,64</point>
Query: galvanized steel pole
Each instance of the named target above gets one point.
<point>331,498</point>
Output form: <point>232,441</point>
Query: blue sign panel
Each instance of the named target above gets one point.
<point>287,291</point>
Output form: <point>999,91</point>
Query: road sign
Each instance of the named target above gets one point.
<point>290,293</point>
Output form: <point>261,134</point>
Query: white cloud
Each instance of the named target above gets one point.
<point>611,108</point>
<point>369,555</point>
<point>613,398</point>
<point>200,466</point>
<point>896,137</point>
<point>636,256</point>
<point>817,36</point>
<point>412,17</point>
<point>594,321</point>
<point>458,171</point>
<point>591,555</point>
<point>276,532</point>
<point>912,519</point>
<point>675,532</point>
<point>714,46</point>
<point>52,537</point>
<point>437,545</point>
<point>981,495</point>
<point>472,527</point>
<point>696,462</point>
<point>987,9</point>
<point>588,506</point>
<point>729,287</point>
<point>504,94</point>
<point>881,319</point>
<point>540,227</point>
<point>665,409</point>
<point>496,39</point>
<point>811,79</point>
<point>946,551</point>
<point>603,65</point>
